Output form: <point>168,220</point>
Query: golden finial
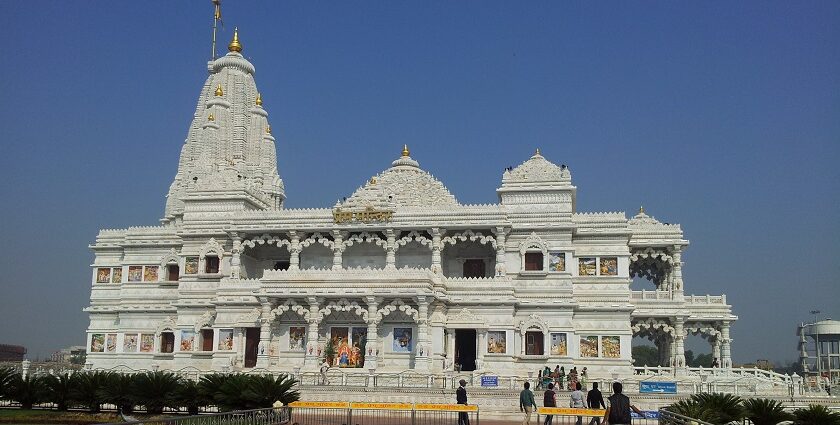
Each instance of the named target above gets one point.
<point>259,99</point>
<point>219,91</point>
<point>268,128</point>
<point>405,151</point>
<point>537,152</point>
<point>373,180</point>
<point>211,118</point>
<point>641,210</point>
<point>234,45</point>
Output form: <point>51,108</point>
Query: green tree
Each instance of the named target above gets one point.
<point>118,390</point>
<point>264,390</point>
<point>156,390</point>
<point>209,386</point>
<point>728,406</point>
<point>232,395</point>
<point>701,360</point>
<point>27,391</point>
<point>87,389</point>
<point>645,355</point>
<point>329,351</point>
<point>815,415</point>
<point>761,411</point>
<point>60,388</point>
<point>6,374</point>
<point>188,396</point>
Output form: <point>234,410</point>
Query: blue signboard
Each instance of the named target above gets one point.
<point>658,387</point>
<point>489,381</point>
<point>649,414</point>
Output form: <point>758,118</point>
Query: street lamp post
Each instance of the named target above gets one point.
<point>817,343</point>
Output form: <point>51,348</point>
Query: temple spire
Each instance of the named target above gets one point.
<point>235,45</point>
<point>217,17</point>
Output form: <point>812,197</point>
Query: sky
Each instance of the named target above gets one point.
<point>721,116</point>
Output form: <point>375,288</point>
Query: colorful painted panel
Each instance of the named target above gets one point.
<point>103,275</point>
<point>586,267</point>
<point>130,343</point>
<point>187,340</point>
<point>609,266</point>
<point>150,274</point>
<point>339,337</point>
<point>589,346</point>
<point>402,340</point>
<point>191,265</point>
<point>135,273</point>
<point>116,276</point>
<point>611,347</point>
<point>225,339</point>
<point>358,340</point>
<point>557,261</point>
<point>297,338</point>
<point>110,343</point>
<point>147,343</point>
<point>97,343</point>
<point>497,342</point>
<point>559,345</point>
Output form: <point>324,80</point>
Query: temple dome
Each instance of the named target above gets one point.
<point>405,184</point>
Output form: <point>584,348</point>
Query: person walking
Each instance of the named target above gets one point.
<point>594,400</point>
<point>461,398</point>
<point>526,403</point>
<point>576,401</point>
<point>618,413</point>
<point>549,400</point>
<point>325,367</point>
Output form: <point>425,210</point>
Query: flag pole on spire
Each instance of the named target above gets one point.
<point>217,17</point>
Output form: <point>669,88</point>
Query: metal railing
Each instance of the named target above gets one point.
<point>269,416</point>
<point>342,413</point>
<point>667,417</point>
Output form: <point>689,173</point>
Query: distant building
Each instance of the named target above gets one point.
<point>821,355</point>
<point>69,355</point>
<point>12,353</point>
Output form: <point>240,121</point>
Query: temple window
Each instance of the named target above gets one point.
<point>533,261</point>
<point>167,342</point>
<point>211,264</point>
<point>534,343</point>
<point>474,268</point>
<point>207,340</point>
<point>173,272</point>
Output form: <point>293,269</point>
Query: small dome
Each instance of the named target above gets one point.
<point>537,169</point>
<point>405,184</point>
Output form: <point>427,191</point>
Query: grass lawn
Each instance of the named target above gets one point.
<point>20,416</point>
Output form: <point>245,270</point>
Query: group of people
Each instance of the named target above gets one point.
<point>616,413</point>
<point>560,378</point>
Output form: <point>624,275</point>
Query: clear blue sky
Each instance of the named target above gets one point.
<point>721,116</point>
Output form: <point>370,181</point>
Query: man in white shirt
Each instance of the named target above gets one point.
<point>576,401</point>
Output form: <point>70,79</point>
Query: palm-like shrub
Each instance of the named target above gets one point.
<point>156,390</point>
<point>727,406</point>
<point>118,391</point>
<point>6,374</point>
<point>188,395</point>
<point>692,409</point>
<point>815,415</point>
<point>232,394</point>
<point>264,390</point>
<point>87,389</point>
<point>60,388</point>
<point>209,385</point>
<point>27,391</point>
<point>761,411</point>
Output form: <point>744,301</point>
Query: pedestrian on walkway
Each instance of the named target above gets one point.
<point>549,400</point>
<point>461,398</point>
<point>576,401</point>
<point>526,403</point>
<point>619,411</point>
<point>595,400</point>
<point>325,367</point>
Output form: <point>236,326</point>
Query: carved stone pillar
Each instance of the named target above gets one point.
<point>715,342</point>
<point>235,253</point>
<point>450,349</point>
<point>423,350</point>
<point>265,334</point>
<point>501,270</point>
<point>677,281</point>
<point>294,251</point>
<point>482,346</point>
<point>338,248</point>
<point>391,249</point>
<point>679,342</point>
<point>311,360</point>
<point>372,344</point>
<point>436,248</point>
<point>725,347</point>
